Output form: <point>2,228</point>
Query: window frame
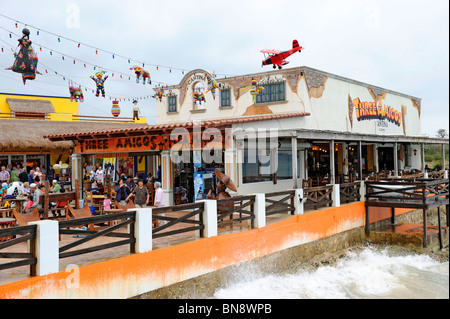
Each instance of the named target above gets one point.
<point>172,107</point>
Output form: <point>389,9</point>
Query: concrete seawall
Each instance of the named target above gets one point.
<point>159,273</point>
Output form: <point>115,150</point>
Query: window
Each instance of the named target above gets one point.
<point>225,98</point>
<point>172,104</point>
<point>272,92</point>
<point>257,165</point>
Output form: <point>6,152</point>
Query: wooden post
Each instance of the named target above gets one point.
<point>46,199</point>
<point>393,215</point>
<point>441,245</point>
<point>425,231</point>
<point>443,156</point>
<point>77,194</point>
<point>367,220</point>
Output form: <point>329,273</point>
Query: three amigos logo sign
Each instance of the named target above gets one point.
<point>372,111</point>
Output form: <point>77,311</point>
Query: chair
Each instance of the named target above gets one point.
<point>346,178</point>
<point>306,183</point>
<point>125,207</point>
<point>24,219</point>
<point>84,212</point>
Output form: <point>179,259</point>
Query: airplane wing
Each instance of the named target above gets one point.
<point>271,51</point>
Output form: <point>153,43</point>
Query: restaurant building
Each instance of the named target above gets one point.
<point>268,131</point>
<point>25,119</point>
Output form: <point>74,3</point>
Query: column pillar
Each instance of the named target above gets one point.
<point>395,160</point>
<point>166,177</point>
<point>46,247</point>
<point>332,171</point>
<point>143,230</point>
<point>76,171</point>
<point>294,161</point>
<point>299,202</point>
<point>209,218</point>
<point>360,161</point>
<point>260,210</point>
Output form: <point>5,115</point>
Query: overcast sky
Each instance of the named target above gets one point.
<point>398,45</point>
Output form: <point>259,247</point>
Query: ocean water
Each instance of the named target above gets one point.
<point>367,274</point>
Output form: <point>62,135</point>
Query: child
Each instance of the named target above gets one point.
<point>107,202</point>
<point>29,203</point>
<point>61,204</point>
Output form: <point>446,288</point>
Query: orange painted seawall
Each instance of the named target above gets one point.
<point>139,273</point>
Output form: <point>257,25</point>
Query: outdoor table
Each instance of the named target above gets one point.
<point>4,212</point>
<point>7,223</point>
<point>18,202</point>
<point>97,201</point>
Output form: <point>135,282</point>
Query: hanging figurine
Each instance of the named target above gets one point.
<point>255,90</point>
<point>199,97</point>
<point>115,110</point>
<point>212,84</point>
<point>159,93</point>
<point>76,93</point>
<point>99,81</point>
<point>141,74</point>
<point>26,60</point>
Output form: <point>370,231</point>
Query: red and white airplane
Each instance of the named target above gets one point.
<point>278,58</point>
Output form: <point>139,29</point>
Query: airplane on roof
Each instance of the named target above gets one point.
<point>278,58</point>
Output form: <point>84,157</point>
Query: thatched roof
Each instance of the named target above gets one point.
<point>22,136</point>
<point>30,106</point>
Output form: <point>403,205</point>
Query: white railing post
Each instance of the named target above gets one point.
<point>336,195</point>
<point>260,210</point>
<point>47,246</point>
<point>210,218</point>
<point>299,202</point>
<point>143,230</point>
<point>362,191</point>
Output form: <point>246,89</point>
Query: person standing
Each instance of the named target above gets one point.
<point>4,176</point>
<point>141,195</point>
<point>99,175</point>
<point>50,173</point>
<point>14,174</point>
<point>122,192</point>
<point>159,195</point>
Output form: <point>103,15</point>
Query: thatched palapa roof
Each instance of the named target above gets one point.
<point>30,106</point>
<point>27,136</point>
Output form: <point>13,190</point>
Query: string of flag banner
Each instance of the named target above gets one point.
<point>75,87</point>
<point>102,73</point>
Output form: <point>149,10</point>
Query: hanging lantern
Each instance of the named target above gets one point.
<point>115,110</point>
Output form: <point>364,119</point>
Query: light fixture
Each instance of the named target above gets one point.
<point>415,152</point>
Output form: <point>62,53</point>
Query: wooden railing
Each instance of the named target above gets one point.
<point>16,236</point>
<point>243,205</point>
<point>276,205</point>
<point>420,194</point>
<point>188,211</point>
<point>350,192</point>
<point>318,196</point>
<point>74,227</point>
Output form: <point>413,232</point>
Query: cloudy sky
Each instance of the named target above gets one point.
<point>397,44</point>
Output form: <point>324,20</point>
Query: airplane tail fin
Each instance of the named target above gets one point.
<point>295,44</point>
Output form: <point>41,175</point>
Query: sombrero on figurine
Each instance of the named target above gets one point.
<point>225,180</point>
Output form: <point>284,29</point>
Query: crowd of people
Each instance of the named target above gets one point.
<point>32,187</point>
<point>138,189</point>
